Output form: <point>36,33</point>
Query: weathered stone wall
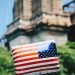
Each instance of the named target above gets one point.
<point>19,40</point>
<point>52,6</point>
<point>60,38</point>
<point>18,9</point>
<point>36,8</point>
<point>28,11</point>
<point>46,7</point>
<point>57,6</point>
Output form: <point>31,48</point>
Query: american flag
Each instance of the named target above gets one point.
<point>36,59</point>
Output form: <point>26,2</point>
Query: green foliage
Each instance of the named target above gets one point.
<point>67,60</point>
<point>71,44</point>
<point>65,52</point>
<point>6,62</point>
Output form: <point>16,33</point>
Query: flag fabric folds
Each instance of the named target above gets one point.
<point>35,59</point>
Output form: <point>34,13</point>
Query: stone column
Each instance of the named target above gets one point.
<point>22,9</point>
<point>57,6</point>
<point>27,9</point>
<point>46,7</point>
<point>15,10</point>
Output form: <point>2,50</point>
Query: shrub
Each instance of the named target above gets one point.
<point>6,62</point>
<point>71,44</point>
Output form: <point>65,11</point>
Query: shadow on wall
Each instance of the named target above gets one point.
<point>71,32</point>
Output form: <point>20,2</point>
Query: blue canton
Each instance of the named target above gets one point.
<point>50,52</point>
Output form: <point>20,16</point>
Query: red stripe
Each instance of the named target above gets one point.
<point>36,62</point>
<point>46,65</point>
<point>23,47</point>
<point>37,71</point>
<point>26,59</point>
<point>25,55</point>
<point>22,51</point>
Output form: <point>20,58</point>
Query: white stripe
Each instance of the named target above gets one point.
<point>43,63</point>
<point>38,64</point>
<point>50,41</point>
<point>37,69</point>
<point>49,71</point>
<point>43,72</point>
<point>21,58</point>
<point>34,73</point>
<point>35,60</point>
<point>24,49</point>
<point>25,53</point>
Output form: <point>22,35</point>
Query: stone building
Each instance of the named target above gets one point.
<point>71,28</point>
<point>37,20</point>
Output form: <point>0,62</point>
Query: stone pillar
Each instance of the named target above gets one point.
<point>46,7</point>
<point>57,6</point>
<point>27,9</point>
<point>36,8</point>
<point>18,9</point>
<point>15,10</point>
<point>22,9</point>
<point>52,6</point>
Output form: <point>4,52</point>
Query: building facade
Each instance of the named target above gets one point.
<point>37,20</point>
